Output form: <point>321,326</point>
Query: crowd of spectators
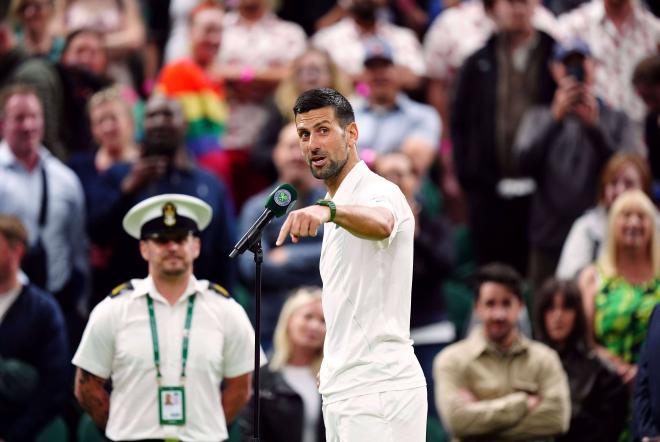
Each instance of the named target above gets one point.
<point>524,133</point>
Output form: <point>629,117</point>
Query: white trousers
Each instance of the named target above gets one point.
<point>389,416</point>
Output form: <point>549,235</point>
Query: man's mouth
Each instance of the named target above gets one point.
<point>318,161</point>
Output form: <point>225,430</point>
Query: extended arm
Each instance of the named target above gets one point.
<point>366,222</point>
<point>92,396</point>
<point>235,394</point>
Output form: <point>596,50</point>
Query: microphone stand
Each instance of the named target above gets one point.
<point>258,252</point>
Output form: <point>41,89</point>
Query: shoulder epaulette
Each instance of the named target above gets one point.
<point>121,289</point>
<point>217,288</point>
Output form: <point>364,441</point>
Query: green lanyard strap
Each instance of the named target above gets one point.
<point>186,335</point>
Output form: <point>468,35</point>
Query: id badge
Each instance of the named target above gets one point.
<point>172,405</point>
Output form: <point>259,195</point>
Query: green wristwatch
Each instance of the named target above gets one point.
<point>331,205</point>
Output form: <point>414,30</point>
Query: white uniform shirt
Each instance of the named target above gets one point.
<point>117,344</point>
<point>366,297</point>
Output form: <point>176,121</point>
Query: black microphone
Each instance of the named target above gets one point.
<point>280,201</point>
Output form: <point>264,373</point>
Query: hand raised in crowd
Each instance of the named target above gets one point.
<point>566,97</point>
<point>586,107</point>
<point>144,170</point>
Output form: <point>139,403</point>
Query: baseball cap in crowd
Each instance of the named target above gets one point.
<point>168,215</point>
<point>377,50</point>
<point>573,46</point>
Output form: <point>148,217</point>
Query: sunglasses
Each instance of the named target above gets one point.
<point>164,238</point>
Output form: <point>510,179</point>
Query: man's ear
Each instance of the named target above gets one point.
<point>197,244</point>
<point>352,134</point>
<point>144,250</point>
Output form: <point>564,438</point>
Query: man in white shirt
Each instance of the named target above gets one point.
<point>167,341</point>
<point>372,385</point>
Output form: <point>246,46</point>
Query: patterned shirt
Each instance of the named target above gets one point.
<point>616,51</point>
<point>344,42</point>
<point>460,31</point>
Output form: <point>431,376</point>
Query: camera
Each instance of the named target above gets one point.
<point>576,70</point>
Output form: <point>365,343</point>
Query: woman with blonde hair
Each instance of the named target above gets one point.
<point>290,401</point>
<point>621,289</point>
<point>36,30</point>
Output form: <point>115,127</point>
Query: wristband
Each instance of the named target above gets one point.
<point>331,205</point>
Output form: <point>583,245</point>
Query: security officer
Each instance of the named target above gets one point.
<point>167,341</point>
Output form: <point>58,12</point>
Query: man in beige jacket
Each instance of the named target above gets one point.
<point>496,384</point>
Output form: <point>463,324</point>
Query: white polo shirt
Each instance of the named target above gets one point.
<point>117,344</point>
<point>366,297</point>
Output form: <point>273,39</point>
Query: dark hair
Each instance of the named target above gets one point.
<point>501,274</point>
<point>488,4</point>
<point>13,229</point>
<point>81,31</point>
<point>325,97</point>
<point>545,296</point>
<point>647,71</point>
<point>616,164</point>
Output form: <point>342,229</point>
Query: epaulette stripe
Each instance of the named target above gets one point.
<point>219,289</point>
<point>121,288</point>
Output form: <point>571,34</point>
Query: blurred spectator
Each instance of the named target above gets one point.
<point>290,400</point>
<point>587,236</point>
<point>598,397</point>
<point>388,119</point>
<point>646,80</point>
<point>456,34</point>
<point>164,167</point>
<point>34,363</point>
<point>621,289</point>
<point>430,328</point>
<point>188,80</point>
<point>16,66</point>
<point>496,86</point>
<point>646,409</point>
<point>307,14</point>
<point>294,264</point>
<point>564,146</point>
<point>120,24</point>
<point>113,129</point>
<point>497,384</point>
<point>256,53</point>
<point>48,198</point>
<point>344,41</point>
<point>36,33</point>
<point>178,45</point>
<point>313,69</point>
<point>619,33</point>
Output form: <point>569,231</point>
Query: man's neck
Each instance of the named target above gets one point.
<point>172,288</point>
<point>9,284</point>
<point>29,162</point>
<point>333,183</point>
<point>366,26</point>
<point>620,13</point>
<point>252,16</point>
<point>515,40</point>
<point>505,344</point>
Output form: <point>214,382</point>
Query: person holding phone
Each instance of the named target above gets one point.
<point>564,146</point>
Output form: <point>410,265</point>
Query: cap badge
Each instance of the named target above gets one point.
<point>169,214</point>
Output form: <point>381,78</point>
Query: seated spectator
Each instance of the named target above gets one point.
<point>294,264</point>
<point>48,198</point>
<point>120,24</point>
<point>621,289</point>
<point>17,66</point>
<point>598,397</point>
<point>35,31</point>
<point>646,80</point>
<point>587,236</point>
<point>344,41</point>
<point>497,384</point>
<point>430,328</point>
<point>313,69</point>
<point>388,119</point>
<point>290,401</point>
<point>34,354</point>
<point>113,130</point>
<point>646,406</point>
<point>496,86</point>
<point>564,146</point>
<point>163,167</point>
<point>619,33</point>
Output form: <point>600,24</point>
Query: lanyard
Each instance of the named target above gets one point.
<point>186,335</point>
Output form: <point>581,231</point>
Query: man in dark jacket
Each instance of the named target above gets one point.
<point>494,88</point>
<point>34,368</point>
<point>564,146</point>
<point>646,405</point>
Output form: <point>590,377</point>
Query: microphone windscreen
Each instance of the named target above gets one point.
<point>282,199</point>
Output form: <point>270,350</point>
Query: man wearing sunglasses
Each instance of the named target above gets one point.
<point>167,341</point>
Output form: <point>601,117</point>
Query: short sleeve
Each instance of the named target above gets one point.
<point>96,350</point>
<point>388,196</point>
<point>238,357</point>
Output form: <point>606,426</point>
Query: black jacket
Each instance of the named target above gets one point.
<point>646,406</point>
<point>281,411</point>
<point>473,114</point>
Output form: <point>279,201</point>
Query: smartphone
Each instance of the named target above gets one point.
<point>576,70</point>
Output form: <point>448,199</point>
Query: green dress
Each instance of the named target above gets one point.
<point>622,315</point>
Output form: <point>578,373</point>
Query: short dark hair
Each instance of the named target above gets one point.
<point>647,71</point>
<point>325,97</point>
<point>13,229</point>
<point>545,296</point>
<point>81,31</point>
<point>499,273</point>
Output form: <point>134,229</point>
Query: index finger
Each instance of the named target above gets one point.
<point>284,231</point>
